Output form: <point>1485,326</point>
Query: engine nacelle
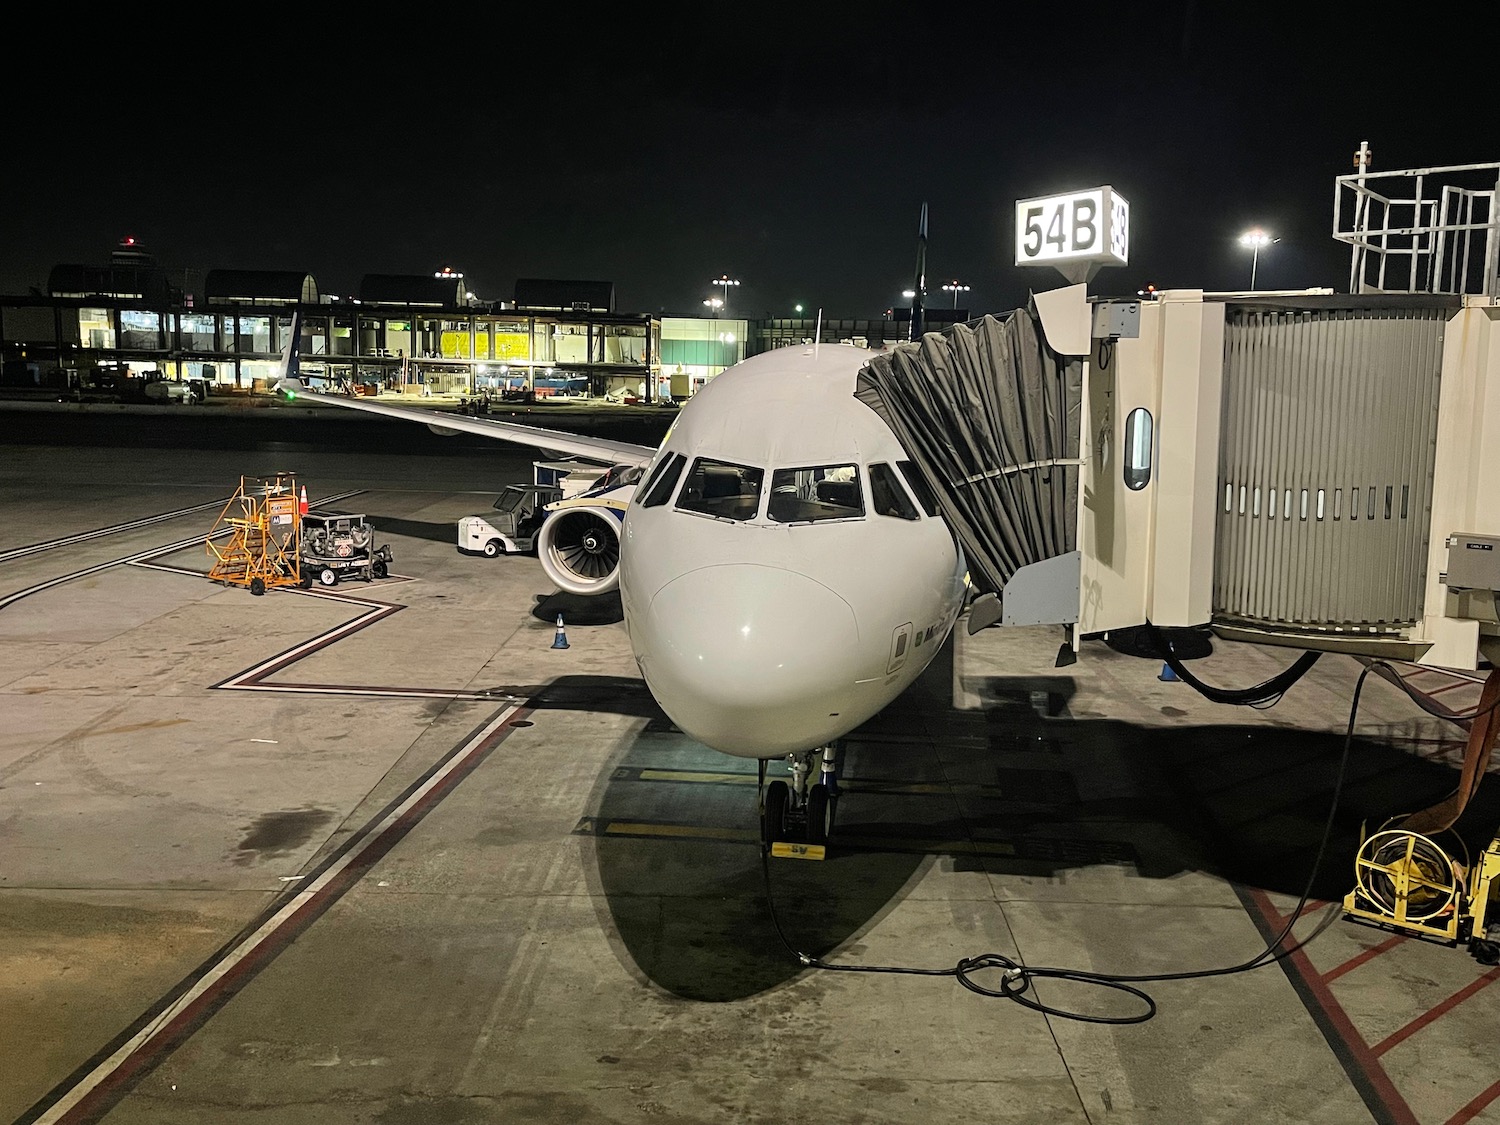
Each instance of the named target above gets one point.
<point>579,546</point>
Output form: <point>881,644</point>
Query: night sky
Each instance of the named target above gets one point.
<point>788,150</point>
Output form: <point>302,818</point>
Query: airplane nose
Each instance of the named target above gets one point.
<point>751,660</point>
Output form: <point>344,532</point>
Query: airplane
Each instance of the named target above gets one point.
<point>742,550</point>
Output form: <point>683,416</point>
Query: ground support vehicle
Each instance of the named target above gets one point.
<point>512,527</point>
<point>337,545</point>
<point>260,530</point>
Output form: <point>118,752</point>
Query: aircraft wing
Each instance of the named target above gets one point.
<point>554,441</point>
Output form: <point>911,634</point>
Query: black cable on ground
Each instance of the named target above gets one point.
<point>1268,692</point>
<point>1018,976</point>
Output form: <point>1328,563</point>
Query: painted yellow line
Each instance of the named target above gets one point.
<point>899,788</point>
<point>693,831</point>
<point>702,777</point>
<point>903,844</point>
<point>894,788</point>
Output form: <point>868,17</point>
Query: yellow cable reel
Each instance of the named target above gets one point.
<point>1410,881</point>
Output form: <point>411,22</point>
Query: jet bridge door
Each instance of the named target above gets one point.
<point>1325,472</point>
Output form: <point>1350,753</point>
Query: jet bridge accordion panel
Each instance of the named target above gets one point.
<point>990,416</point>
<point>1325,471</point>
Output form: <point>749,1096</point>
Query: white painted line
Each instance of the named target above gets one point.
<point>368,837</point>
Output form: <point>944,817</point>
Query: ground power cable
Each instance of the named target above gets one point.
<point>1267,693</point>
<point>1017,977</point>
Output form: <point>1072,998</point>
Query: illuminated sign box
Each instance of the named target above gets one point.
<point>1082,226</point>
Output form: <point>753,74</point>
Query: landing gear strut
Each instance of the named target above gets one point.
<point>801,811</point>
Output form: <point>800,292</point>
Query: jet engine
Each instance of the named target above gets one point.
<point>579,548</point>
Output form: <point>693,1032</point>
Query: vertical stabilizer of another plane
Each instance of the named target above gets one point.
<point>291,351</point>
<point>919,283</point>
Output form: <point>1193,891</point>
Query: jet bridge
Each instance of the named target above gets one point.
<point>1301,468</point>
<point>1288,467</point>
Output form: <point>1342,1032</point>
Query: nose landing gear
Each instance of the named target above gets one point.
<point>797,816</point>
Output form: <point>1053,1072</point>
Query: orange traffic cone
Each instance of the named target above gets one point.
<point>302,503</point>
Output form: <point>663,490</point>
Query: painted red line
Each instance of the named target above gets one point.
<point>1469,1111</point>
<point>1426,1018</point>
<point>1455,684</point>
<point>1369,1078</point>
<point>1311,906</point>
<point>1360,958</point>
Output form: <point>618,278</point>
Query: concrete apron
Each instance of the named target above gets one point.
<point>567,920</point>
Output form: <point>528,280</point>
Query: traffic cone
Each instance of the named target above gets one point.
<point>302,503</point>
<point>1167,674</point>
<point>560,639</point>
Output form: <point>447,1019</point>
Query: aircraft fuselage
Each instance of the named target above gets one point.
<point>771,621</point>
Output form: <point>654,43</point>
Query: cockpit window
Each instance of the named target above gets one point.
<point>659,488</point>
<point>824,492</point>
<point>717,488</point>
<point>887,496</point>
<point>919,487</point>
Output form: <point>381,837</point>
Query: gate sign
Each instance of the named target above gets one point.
<point>1082,226</point>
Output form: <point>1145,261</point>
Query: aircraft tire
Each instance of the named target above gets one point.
<point>492,549</point>
<point>257,586</point>
<point>819,814</point>
<point>328,576</point>
<point>773,826</point>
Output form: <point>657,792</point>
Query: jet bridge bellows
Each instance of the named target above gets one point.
<point>990,414</point>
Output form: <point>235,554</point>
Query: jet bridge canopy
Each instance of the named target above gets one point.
<point>990,414</point>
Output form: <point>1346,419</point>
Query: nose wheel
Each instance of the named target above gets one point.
<point>797,812</point>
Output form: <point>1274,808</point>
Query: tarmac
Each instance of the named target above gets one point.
<point>382,853</point>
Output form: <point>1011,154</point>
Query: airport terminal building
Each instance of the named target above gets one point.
<point>133,327</point>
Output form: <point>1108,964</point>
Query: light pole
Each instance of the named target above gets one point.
<point>955,287</point>
<point>714,304</point>
<point>724,282</point>
<point>1255,239</point>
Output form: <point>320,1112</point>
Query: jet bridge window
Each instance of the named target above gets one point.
<point>717,488</point>
<point>823,492</point>
<point>1137,466</point>
<point>887,496</point>
<point>658,489</point>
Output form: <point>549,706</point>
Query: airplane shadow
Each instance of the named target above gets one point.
<point>577,609</point>
<point>1006,790</point>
